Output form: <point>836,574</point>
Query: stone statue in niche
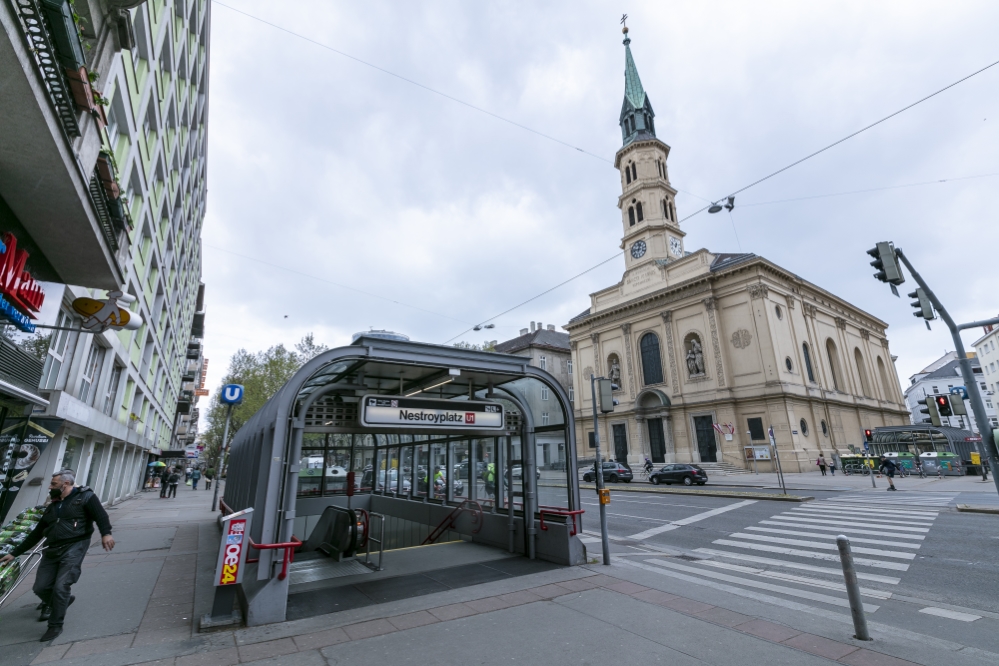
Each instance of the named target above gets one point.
<point>614,369</point>
<point>695,356</point>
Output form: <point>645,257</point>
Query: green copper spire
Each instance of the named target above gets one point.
<point>633,89</point>
<point>636,113</point>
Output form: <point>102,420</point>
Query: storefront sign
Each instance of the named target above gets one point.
<point>430,414</point>
<point>232,550</point>
<point>20,457</point>
<point>20,296</point>
<point>107,314</point>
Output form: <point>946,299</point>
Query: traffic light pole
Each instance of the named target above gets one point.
<point>598,475</point>
<point>974,390</point>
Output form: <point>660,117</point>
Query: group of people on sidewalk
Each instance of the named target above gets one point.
<point>887,466</point>
<point>832,464</point>
<point>170,479</point>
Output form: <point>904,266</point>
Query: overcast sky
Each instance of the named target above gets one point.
<point>376,203</point>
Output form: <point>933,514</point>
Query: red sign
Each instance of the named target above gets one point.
<point>469,417</point>
<point>15,282</point>
<point>234,544</point>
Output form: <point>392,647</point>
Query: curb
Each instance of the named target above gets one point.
<point>659,490</point>
<point>977,509</point>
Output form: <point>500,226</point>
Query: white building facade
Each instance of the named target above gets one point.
<point>939,378</point>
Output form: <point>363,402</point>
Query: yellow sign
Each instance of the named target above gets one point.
<point>102,315</point>
<point>976,458</point>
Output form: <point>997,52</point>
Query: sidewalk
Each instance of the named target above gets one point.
<point>138,606</point>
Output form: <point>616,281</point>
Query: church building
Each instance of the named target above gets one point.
<point>709,350</point>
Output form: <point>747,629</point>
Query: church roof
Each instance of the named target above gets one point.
<point>633,90</point>
<point>540,338</point>
<point>582,315</point>
<point>723,261</point>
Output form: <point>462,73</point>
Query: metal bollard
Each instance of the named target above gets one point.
<point>853,589</point>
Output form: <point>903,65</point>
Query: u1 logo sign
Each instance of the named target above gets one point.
<point>232,394</point>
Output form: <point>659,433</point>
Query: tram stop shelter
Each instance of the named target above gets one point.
<point>390,444</point>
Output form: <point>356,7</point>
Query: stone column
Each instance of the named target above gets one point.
<point>670,442</point>
<point>643,441</point>
<point>668,325</point>
<point>629,363</point>
<point>709,305</point>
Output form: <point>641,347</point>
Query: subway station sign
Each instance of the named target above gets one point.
<point>429,414</point>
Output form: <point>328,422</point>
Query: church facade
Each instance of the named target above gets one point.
<point>710,350</point>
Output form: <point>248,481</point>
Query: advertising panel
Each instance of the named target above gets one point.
<point>20,457</point>
<point>233,548</point>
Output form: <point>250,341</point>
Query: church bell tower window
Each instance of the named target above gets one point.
<point>638,211</point>
<point>631,216</point>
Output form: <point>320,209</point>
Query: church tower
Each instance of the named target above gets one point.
<point>648,210</point>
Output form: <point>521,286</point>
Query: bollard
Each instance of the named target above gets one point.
<point>853,589</point>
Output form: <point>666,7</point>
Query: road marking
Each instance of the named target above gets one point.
<point>880,508</point>
<point>791,578</point>
<point>823,546</point>
<point>617,500</point>
<point>825,521</point>
<point>877,542</point>
<point>782,523</point>
<point>742,557</point>
<point>879,515</point>
<point>609,536</point>
<point>769,587</point>
<point>952,615</point>
<point>687,521</point>
<point>862,561</point>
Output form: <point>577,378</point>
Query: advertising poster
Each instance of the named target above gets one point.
<point>19,457</point>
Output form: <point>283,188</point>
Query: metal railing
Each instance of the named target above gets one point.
<point>289,553</point>
<point>368,540</point>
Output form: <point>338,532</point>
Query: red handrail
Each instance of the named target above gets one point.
<point>289,553</point>
<point>224,507</point>
<point>560,512</point>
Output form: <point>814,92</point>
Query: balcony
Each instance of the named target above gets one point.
<point>48,147</point>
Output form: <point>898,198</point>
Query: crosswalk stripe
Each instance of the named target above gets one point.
<point>770,587</point>
<point>791,578</point>
<point>824,546</point>
<point>596,535</point>
<point>848,530</point>
<point>880,517</point>
<point>810,554</point>
<point>800,518</point>
<point>744,557</point>
<point>890,508</point>
<point>690,519</point>
<point>897,499</point>
<point>819,535</point>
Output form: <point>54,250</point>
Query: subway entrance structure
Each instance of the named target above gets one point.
<point>438,443</point>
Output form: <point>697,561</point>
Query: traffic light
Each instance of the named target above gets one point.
<point>887,263</point>
<point>869,435</point>
<point>606,399</point>
<point>943,405</point>
<point>957,405</point>
<point>922,304</point>
<point>931,412</point>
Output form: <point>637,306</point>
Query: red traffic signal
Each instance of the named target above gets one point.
<point>869,435</point>
<point>943,405</point>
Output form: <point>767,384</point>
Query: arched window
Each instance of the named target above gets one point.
<point>837,374</point>
<point>627,172</point>
<point>808,362</point>
<point>672,209</point>
<point>665,210</point>
<point>634,171</point>
<point>865,385</point>
<point>631,215</point>
<point>652,363</point>
<point>638,209</point>
<point>885,385</point>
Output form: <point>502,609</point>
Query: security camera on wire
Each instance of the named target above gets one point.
<point>886,261</point>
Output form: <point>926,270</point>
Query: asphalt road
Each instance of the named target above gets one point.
<point>925,567</point>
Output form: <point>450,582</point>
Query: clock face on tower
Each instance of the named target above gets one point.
<point>675,247</point>
<point>638,249</point>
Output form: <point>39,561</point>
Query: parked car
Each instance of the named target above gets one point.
<point>518,472</point>
<point>686,474</point>
<point>613,472</point>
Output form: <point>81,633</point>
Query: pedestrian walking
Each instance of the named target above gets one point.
<point>919,468</point>
<point>195,477</point>
<point>888,466</point>
<point>164,481</point>
<point>209,475</point>
<point>173,481</point>
<point>67,526</point>
<point>833,462</point>
<point>821,462</point>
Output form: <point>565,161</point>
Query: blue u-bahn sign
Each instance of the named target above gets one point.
<point>232,394</point>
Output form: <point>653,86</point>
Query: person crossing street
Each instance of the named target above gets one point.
<point>889,467</point>
<point>67,527</point>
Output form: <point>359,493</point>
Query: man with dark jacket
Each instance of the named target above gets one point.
<point>66,526</point>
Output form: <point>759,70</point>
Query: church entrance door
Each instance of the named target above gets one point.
<point>707,446</point>
<point>621,443</point>
<point>657,440</point>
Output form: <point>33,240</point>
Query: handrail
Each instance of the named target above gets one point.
<point>224,507</point>
<point>560,512</point>
<point>289,553</point>
<point>380,541</point>
<point>448,523</point>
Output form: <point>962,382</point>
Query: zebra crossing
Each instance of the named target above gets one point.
<point>791,558</point>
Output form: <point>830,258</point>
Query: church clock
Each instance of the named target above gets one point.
<point>638,249</point>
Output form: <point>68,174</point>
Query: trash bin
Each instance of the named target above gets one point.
<point>948,464</point>
<point>902,459</point>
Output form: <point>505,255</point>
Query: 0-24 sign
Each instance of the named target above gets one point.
<point>233,549</point>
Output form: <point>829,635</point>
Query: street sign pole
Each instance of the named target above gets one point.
<point>218,464</point>
<point>780,472</point>
<point>986,445</point>
<point>598,475</point>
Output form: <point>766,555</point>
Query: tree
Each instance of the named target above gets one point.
<point>488,345</point>
<point>37,345</point>
<point>262,375</point>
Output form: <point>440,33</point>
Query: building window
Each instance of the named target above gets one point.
<point>652,364</point>
<point>756,429</point>
<point>935,390</point>
<point>780,313</point>
<point>885,384</point>
<point>572,395</point>
<point>988,403</point>
<point>60,351</point>
<point>804,427</point>
<point>788,364</point>
<point>825,429</point>
<point>634,167</point>
<point>91,373</point>
<point>631,216</point>
<point>834,368</point>
<point>568,366</point>
<point>665,209</point>
<point>808,362</point>
<point>638,211</point>
<point>544,392</point>
<point>544,418</point>
<point>543,362</point>
<point>627,173</point>
<point>112,390</point>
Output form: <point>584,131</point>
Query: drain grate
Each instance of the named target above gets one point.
<point>313,570</point>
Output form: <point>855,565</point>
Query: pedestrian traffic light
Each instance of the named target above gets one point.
<point>957,405</point>
<point>932,416</point>
<point>922,304</point>
<point>887,263</point>
<point>869,435</point>
<point>943,405</point>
